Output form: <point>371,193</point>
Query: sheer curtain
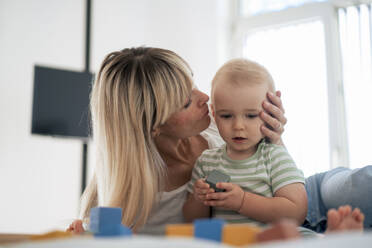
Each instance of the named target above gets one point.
<point>295,56</point>
<point>355,24</point>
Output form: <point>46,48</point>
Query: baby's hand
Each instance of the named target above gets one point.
<point>76,227</point>
<point>201,189</point>
<point>231,199</point>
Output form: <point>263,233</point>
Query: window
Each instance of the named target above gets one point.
<point>319,53</point>
<point>301,76</point>
<point>252,7</point>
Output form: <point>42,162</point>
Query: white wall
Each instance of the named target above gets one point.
<point>40,176</point>
<point>192,28</point>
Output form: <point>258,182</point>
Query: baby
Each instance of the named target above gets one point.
<point>265,183</point>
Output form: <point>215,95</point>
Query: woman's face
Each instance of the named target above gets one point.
<point>192,119</point>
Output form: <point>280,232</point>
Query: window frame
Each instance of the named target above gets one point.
<point>327,12</point>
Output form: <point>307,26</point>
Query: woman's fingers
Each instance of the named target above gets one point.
<point>273,114</point>
<point>278,93</point>
<point>79,229</point>
<point>274,107</point>
<point>275,124</point>
<point>276,99</point>
<point>273,136</point>
<point>76,227</point>
<point>273,118</point>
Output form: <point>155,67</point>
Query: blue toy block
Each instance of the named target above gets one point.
<point>210,229</point>
<point>103,217</point>
<point>116,230</point>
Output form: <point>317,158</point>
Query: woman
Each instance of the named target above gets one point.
<point>150,124</point>
<point>147,122</point>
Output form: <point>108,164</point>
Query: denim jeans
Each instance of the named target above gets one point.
<point>338,187</point>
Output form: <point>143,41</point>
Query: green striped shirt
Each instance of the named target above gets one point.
<point>265,172</point>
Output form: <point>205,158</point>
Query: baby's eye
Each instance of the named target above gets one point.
<point>225,116</point>
<point>251,116</point>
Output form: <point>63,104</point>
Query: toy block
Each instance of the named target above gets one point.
<point>51,235</point>
<point>116,230</point>
<point>239,234</point>
<point>210,229</point>
<point>215,177</point>
<point>103,217</point>
<point>179,230</point>
<point>106,221</point>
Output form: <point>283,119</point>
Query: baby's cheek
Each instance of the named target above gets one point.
<point>258,128</point>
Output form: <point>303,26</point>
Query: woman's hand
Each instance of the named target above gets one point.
<point>273,117</point>
<point>231,199</point>
<point>76,227</point>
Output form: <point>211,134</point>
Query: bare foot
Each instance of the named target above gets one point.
<point>283,230</point>
<point>343,219</point>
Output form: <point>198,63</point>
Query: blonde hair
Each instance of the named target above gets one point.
<point>135,92</point>
<point>243,71</point>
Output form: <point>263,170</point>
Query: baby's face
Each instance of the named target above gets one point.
<point>236,109</point>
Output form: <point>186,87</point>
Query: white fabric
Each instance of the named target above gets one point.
<point>169,207</point>
<point>339,240</point>
<point>167,211</point>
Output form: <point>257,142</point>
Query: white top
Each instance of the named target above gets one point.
<point>169,207</point>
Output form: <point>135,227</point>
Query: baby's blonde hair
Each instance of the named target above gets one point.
<point>242,71</point>
<point>136,91</point>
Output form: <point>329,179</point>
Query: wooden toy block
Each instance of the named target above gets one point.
<point>51,235</point>
<point>179,230</point>
<point>208,229</point>
<point>239,234</point>
<point>215,177</point>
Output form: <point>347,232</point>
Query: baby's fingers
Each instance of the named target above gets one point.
<point>200,191</point>
<point>200,183</point>
<point>219,196</point>
<point>225,186</point>
<point>215,203</point>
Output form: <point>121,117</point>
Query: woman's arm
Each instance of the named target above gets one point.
<point>273,118</point>
<point>194,209</point>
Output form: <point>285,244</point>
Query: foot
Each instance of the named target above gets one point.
<point>343,219</point>
<point>283,230</point>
